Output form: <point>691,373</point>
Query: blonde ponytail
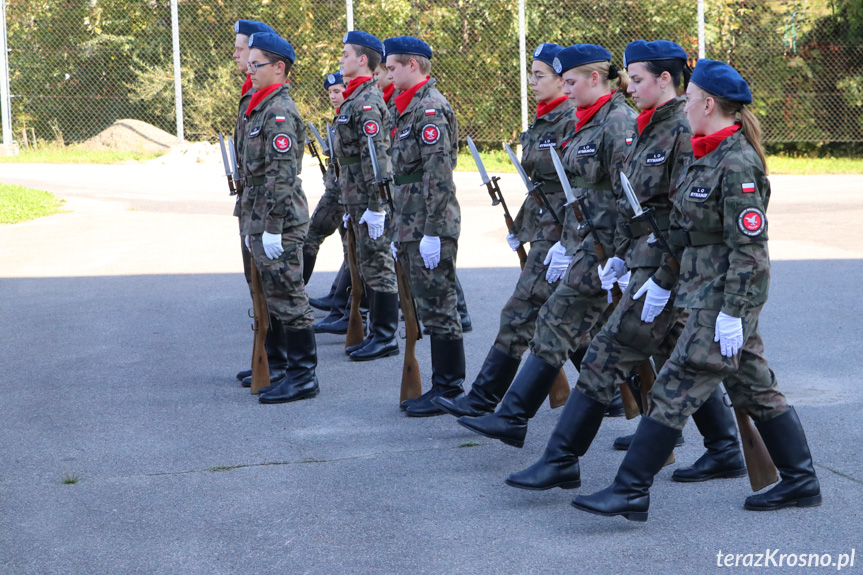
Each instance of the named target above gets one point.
<point>749,123</point>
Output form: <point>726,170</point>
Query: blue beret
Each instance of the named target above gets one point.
<point>249,27</point>
<point>721,80</point>
<point>641,51</point>
<point>407,45</point>
<point>579,55</point>
<point>546,52</point>
<point>364,39</point>
<point>333,79</point>
<point>272,42</point>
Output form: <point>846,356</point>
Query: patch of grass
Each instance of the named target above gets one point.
<point>468,444</point>
<point>58,154</point>
<point>496,162</point>
<point>69,479</point>
<point>19,204</point>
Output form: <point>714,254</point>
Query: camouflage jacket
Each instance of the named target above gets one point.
<point>273,200</point>
<point>425,152</point>
<point>546,135</point>
<point>240,145</point>
<point>719,228</point>
<point>332,193</point>
<point>362,114</point>
<point>593,155</point>
<point>654,163</point>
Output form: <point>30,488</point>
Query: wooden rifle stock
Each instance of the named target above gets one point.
<point>261,324</point>
<point>356,333</point>
<point>759,464</point>
<point>411,380</point>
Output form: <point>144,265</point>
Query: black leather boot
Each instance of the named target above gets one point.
<point>622,443</point>
<point>339,309</point>
<point>300,381</point>
<point>723,458</point>
<point>521,402</point>
<point>461,305</point>
<point>571,438</point>
<point>629,493</point>
<point>308,266</point>
<point>615,408</point>
<point>383,325</point>
<point>241,375</point>
<point>798,485</point>
<point>447,359</point>
<point>491,383</point>
<point>326,302</point>
<point>277,353</point>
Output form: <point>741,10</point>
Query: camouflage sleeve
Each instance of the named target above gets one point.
<point>615,157</point>
<point>666,274</point>
<point>745,233</point>
<point>436,151</point>
<point>284,155</point>
<point>621,240</point>
<point>372,122</point>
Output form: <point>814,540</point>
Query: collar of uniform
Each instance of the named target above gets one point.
<point>664,112</point>
<point>419,96</point>
<point>714,158</point>
<point>558,111</point>
<point>617,98</point>
<point>359,90</point>
<point>283,88</point>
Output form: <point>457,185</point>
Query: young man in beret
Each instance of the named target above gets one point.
<point>275,214</point>
<point>427,217</point>
<point>274,343</point>
<point>362,114</point>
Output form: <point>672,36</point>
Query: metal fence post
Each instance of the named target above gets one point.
<point>700,29</point>
<point>178,88</point>
<point>522,63</point>
<point>5,98</point>
<point>349,9</point>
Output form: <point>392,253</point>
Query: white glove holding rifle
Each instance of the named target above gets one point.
<point>375,221</point>
<point>729,334</point>
<point>557,262</point>
<point>272,245</point>
<point>654,302</point>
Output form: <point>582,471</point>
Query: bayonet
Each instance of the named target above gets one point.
<point>235,169</point>
<point>227,165</point>
<point>642,214</point>
<point>533,189</point>
<point>332,149</point>
<point>383,184</point>
<point>324,147</point>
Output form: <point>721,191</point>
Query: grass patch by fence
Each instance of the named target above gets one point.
<point>58,154</point>
<point>19,204</point>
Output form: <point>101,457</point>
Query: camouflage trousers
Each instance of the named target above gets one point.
<point>625,341</point>
<point>374,257</point>
<point>326,219</point>
<point>518,316</point>
<point>696,367</point>
<point>282,280</point>
<point>573,313</point>
<point>434,290</point>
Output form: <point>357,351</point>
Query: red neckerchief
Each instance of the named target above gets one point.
<point>585,114</point>
<point>703,145</point>
<point>388,93</point>
<point>337,110</point>
<point>644,118</point>
<point>403,99</point>
<point>543,108</point>
<point>354,84</point>
<point>260,95</point>
<point>247,85</point>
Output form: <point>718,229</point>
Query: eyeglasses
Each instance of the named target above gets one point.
<point>536,78</point>
<point>253,67</point>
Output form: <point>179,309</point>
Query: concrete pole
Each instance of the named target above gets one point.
<point>178,88</point>
<point>522,63</point>
<point>349,6</point>
<point>701,28</point>
<point>5,97</point>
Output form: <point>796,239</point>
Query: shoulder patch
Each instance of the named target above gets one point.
<point>629,141</point>
<point>430,134</point>
<point>748,187</point>
<point>751,222</point>
<point>586,150</point>
<point>282,143</point>
<point>371,128</point>
<point>367,108</point>
<point>280,118</point>
<point>430,112</point>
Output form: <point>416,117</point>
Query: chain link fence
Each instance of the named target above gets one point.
<point>76,66</point>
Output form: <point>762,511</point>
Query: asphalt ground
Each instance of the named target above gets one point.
<point>124,319</point>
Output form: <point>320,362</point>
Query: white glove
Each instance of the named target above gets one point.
<point>623,281</point>
<point>430,251</point>
<point>346,218</point>
<point>557,262</point>
<point>395,250</point>
<point>248,246</point>
<point>655,301</point>
<point>272,245</point>
<point>375,221</point>
<point>729,334</point>
<point>613,269</point>
<point>513,242</point>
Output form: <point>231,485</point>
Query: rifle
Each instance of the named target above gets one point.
<point>759,464</point>
<point>411,381</point>
<point>496,197</point>
<point>356,333</point>
<point>239,182</point>
<point>560,389</point>
<point>314,150</point>
<point>227,166</point>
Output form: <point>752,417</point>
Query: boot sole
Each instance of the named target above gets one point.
<point>410,413</point>
<point>564,485</point>
<point>308,395</point>
<point>735,474</point>
<point>812,501</point>
<point>457,413</point>
<point>639,516</point>
<point>379,356</point>
<point>507,441</point>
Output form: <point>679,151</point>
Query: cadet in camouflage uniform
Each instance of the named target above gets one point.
<point>427,218</point>
<point>719,230</point>
<point>274,343</point>
<point>534,225</point>
<point>364,114</point>
<point>275,214</point>
<point>595,152</point>
<point>655,160</point>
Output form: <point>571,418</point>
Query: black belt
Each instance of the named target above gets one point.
<point>637,228</point>
<point>582,183</point>
<point>686,238</point>
<point>256,180</point>
<point>408,178</point>
<point>348,160</point>
<point>552,187</point>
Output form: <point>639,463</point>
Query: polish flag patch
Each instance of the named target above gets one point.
<point>367,108</point>
<point>282,143</point>
<point>629,141</point>
<point>430,112</point>
<point>280,118</point>
<point>748,187</point>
